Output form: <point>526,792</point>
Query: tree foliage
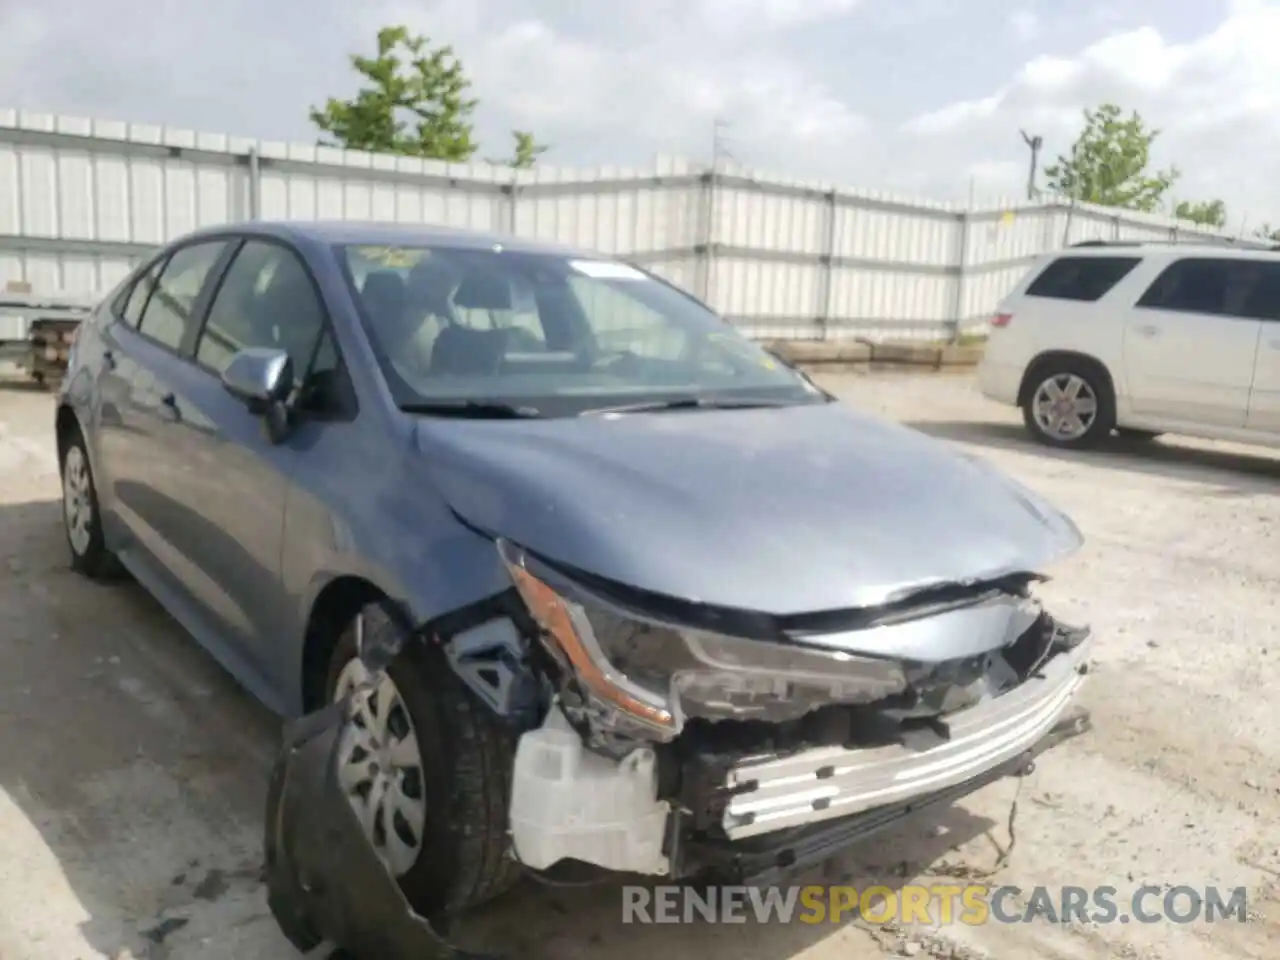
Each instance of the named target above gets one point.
<point>414,101</point>
<point>527,149</point>
<point>1208,213</point>
<point>1108,163</point>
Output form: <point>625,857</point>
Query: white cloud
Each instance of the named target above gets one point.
<point>1025,24</point>
<point>898,94</point>
<point>1216,99</point>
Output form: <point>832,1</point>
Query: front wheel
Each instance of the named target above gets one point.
<point>1070,405</point>
<point>428,770</point>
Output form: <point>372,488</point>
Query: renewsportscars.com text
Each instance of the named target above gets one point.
<point>970,904</point>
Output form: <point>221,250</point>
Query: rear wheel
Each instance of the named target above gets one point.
<point>428,770</point>
<point>81,518</point>
<point>1069,405</point>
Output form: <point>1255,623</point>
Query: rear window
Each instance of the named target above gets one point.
<point>1081,278</point>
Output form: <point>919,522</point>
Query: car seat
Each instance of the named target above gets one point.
<point>463,351</point>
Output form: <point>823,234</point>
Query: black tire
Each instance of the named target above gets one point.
<point>1104,420</point>
<point>90,558</point>
<point>1136,436</point>
<point>467,758</point>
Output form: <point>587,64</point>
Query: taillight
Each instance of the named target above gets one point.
<point>1002,319</point>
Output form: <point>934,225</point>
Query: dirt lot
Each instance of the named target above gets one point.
<point>132,769</point>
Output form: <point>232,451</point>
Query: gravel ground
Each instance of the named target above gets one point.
<point>132,769</point>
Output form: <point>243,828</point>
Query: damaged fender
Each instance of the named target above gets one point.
<point>325,882</point>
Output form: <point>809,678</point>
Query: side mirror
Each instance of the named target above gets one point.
<point>262,378</point>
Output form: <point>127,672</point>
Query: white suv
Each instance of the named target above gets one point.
<point>1143,338</point>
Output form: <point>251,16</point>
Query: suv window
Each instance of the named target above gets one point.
<point>1215,285</point>
<point>167,317</point>
<point>1081,278</point>
<point>265,300</point>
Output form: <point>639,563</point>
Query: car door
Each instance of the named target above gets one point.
<point>142,449</point>
<point>235,492</point>
<point>1189,345</point>
<point>118,443</point>
<point>1264,397</point>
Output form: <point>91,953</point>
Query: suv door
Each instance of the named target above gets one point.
<point>1190,342</point>
<point>235,492</point>
<point>1264,397</point>
<point>139,448</point>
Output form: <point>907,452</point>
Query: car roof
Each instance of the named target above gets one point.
<point>371,233</point>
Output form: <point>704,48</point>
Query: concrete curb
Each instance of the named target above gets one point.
<point>841,356</point>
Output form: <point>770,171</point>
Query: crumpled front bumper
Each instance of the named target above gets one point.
<point>324,880</point>
<point>829,783</point>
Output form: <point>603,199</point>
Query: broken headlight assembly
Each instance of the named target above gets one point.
<point>634,676</point>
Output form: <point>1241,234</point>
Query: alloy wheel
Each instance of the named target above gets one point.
<point>1065,407</point>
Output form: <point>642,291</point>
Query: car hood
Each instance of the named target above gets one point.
<point>789,510</point>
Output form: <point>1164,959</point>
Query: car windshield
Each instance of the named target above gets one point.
<point>539,334</point>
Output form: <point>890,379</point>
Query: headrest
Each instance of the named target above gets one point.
<point>483,291</point>
<point>383,290</point>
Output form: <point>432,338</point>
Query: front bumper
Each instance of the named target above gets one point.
<point>829,783</point>
<point>571,803</point>
<point>768,860</point>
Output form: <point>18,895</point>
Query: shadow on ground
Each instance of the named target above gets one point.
<point>138,770</point>
<point>1235,473</point>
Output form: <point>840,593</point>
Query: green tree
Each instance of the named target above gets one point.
<point>414,102</point>
<point>1108,163</point>
<point>1208,213</point>
<point>527,149</point>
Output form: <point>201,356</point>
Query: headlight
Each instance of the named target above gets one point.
<point>655,675</point>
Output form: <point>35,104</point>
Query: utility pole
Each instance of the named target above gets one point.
<point>1035,143</point>
<point>720,143</point>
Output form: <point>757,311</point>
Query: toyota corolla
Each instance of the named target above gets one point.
<point>595,577</point>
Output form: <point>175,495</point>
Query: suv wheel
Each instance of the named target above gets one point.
<point>428,770</point>
<point>1069,405</point>
<point>81,518</point>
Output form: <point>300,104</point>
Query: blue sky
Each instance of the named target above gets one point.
<point>921,97</point>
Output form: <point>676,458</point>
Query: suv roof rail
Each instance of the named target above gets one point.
<point>1221,241</point>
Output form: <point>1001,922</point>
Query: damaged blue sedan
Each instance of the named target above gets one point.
<point>552,563</point>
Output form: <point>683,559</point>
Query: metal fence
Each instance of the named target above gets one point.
<point>82,200</point>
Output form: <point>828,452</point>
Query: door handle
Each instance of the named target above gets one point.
<point>109,359</point>
<point>1274,344</point>
<point>1148,330</point>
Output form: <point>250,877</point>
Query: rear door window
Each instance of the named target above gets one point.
<point>134,300</point>
<point>1081,278</point>
<point>169,315</point>
<point>1218,286</point>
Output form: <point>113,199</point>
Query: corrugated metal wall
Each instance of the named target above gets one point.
<point>81,201</point>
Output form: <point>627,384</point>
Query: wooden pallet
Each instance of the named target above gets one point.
<point>51,340</point>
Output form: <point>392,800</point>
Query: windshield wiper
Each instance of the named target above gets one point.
<point>686,403</point>
<point>474,409</point>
